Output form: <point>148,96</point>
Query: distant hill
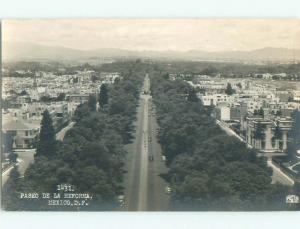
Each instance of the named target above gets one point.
<point>28,51</point>
<point>24,51</point>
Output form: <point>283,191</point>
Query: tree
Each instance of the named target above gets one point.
<point>103,95</point>
<point>23,93</point>
<point>229,90</point>
<point>279,113</point>
<point>14,174</point>
<point>94,78</point>
<point>61,97</point>
<point>277,134</point>
<point>192,96</point>
<point>81,112</point>
<point>294,135</point>
<point>13,157</point>
<point>8,141</point>
<point>46,145</point>
<point>92,155</point>
<point>45,98</point>
<point>10,196</point>
<point>92,102</point>
<point>209,71</point>
<point>295,132</point>
<point>208,170</point>
<point>261,112</point>
<point>259,132</point>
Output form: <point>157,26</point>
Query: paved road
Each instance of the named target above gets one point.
<point>5,174</point>
<point>158,200</point>
<point>144,150</point>
<point>144,188</point>
<point>229,131</point>
<point>61,134</point>
<point>279,176</point>
<point>25,158</point>
<point>293,165</point>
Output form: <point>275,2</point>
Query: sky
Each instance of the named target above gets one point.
<point>156,34</point>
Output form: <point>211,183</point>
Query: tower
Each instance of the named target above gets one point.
<point>35,81</point>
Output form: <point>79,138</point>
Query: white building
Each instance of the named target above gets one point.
<point>23,133</point>
<point>223,112</point>
<point>209,100</point>
<point>296,95</point>
<point>261,133</point>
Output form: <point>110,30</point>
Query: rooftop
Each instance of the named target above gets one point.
<point>16,125</point>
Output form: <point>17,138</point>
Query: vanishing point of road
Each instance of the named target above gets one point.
<point>144,186</point>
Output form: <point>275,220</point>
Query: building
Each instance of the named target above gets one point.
<point>264,76</point>
<point>77,98</point>
<point>33,112</point>
<point>266,134</point>
<point>238,111</point>
<point>23,133</point>
<point>213,100</point>
<point>296,95</point>
<point>109,77</point>
<point>223,112</point>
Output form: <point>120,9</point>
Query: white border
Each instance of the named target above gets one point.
<point>149,9</point>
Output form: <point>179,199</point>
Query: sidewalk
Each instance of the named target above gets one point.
<point>9,168</point>
<point>289,180</point>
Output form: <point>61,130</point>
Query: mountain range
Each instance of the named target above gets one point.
<point>13,51</point>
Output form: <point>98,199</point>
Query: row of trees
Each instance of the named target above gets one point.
<point>227,69</point>
<point>208,170</point>
<point>294,136</point>
<point>91,157</point>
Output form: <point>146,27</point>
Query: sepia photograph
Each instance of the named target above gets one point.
<point>150,115</point>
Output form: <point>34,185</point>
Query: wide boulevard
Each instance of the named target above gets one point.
<point>144,186</point>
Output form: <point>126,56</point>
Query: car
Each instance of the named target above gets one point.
<point>168,190</point>
<point>121,200</point>
<point>163,158</point>
<point>151,158</point>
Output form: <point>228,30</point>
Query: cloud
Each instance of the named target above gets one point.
<point>156,34</point>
